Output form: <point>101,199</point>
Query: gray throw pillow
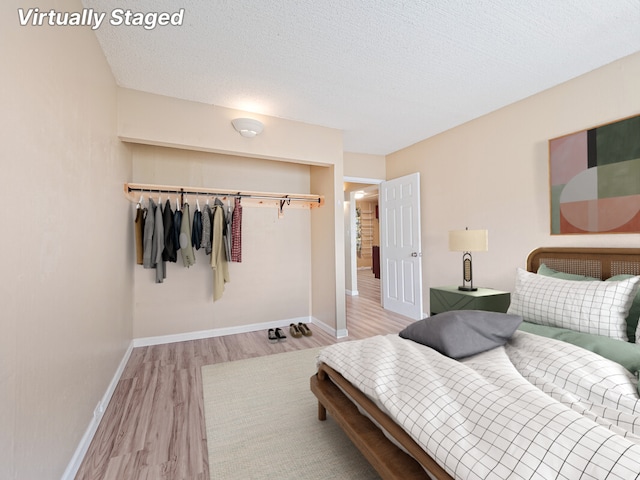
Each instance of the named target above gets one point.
<point>461,333</point>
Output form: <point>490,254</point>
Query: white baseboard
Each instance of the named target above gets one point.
<point>352,293</point>
<point>85,441</point>
<point>220,332</point>
<point>217,332</point>
<point>330,330</point>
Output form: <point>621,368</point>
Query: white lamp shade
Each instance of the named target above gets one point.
<point>469,240</point>
<point>247,127</point>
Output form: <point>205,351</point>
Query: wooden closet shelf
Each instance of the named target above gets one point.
<point>133,191</point>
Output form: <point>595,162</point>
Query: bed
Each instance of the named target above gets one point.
<point>588,427</point>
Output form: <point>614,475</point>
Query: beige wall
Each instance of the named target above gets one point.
<point>493,173</point>
<point>364,166</point>
<point>271,284</point>
<point>158,120</point>
<point>66,283</point>
<point>327,254</point>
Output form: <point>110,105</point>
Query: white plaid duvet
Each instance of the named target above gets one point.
<point>535,409</point>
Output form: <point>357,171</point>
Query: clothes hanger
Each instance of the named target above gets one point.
<point>197,204</point>
<point>140,202</point>
<point>282,202</point>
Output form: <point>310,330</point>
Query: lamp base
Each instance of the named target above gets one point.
<point>468,289</point>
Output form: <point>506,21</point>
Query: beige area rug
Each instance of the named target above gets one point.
<point>262,423</point>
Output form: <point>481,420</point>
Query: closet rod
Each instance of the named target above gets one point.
<point>311,200</point>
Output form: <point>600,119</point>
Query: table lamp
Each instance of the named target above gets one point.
<point>468,241</point>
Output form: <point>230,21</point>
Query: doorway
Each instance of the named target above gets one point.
<point>362,234</point>
<point>368,244</point>
<point>399,262</point>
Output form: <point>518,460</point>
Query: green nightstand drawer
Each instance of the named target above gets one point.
<point>445,299</point>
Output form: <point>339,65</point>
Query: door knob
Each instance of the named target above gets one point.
<point>416,254</point>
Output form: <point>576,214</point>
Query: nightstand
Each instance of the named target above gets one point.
<point>444,299</point>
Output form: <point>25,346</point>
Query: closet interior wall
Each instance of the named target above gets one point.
<point>271,284</point>
<point>369,232</point>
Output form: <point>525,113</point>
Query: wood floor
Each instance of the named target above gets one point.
<point>153,427</point>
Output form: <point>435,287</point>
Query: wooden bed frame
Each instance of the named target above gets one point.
<point>338,397</point>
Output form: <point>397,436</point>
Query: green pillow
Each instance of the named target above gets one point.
<point>550,272</point>
<point>634,311</point>
<point>623,353</point>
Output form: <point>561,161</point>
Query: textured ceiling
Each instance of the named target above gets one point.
<point>387,73</point>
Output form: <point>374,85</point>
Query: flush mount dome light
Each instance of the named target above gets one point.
<point>247,127</point>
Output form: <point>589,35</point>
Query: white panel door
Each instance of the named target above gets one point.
<point>400,252</point>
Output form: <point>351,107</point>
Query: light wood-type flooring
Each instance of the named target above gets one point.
<point>153,427</point>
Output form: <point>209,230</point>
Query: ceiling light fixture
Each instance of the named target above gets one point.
<point>247,127</point>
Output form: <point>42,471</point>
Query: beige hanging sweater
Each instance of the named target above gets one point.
<point>219,262</point>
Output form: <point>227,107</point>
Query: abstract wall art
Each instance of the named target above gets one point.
<point>595,180</point>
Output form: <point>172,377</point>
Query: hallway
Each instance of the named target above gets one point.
<point>368,285</point>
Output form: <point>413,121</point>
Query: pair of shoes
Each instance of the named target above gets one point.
<point>276,335</point>
<point>304,329</point>
<point>272,336</point>
<point>295,331</point>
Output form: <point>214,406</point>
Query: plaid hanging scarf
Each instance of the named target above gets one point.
<point>236,232</point>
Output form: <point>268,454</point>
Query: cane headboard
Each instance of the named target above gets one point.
<point>592,262</point>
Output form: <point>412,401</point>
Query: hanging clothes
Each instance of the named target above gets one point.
<point>196,230</point>
<point>227,233</point>
<point>188,257</point>
<point>219,262</point>
<point>158,242</point>
<point>148,255</point>
<point>177,222</point>
<point>141,212</point>
<point>169,254</point>
<point>236,232</point>
<point>205,242</point>
<point>223,220</point>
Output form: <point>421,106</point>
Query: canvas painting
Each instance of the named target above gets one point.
<point>595,180</point>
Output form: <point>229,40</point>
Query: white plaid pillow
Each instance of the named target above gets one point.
<point>594,307</point>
